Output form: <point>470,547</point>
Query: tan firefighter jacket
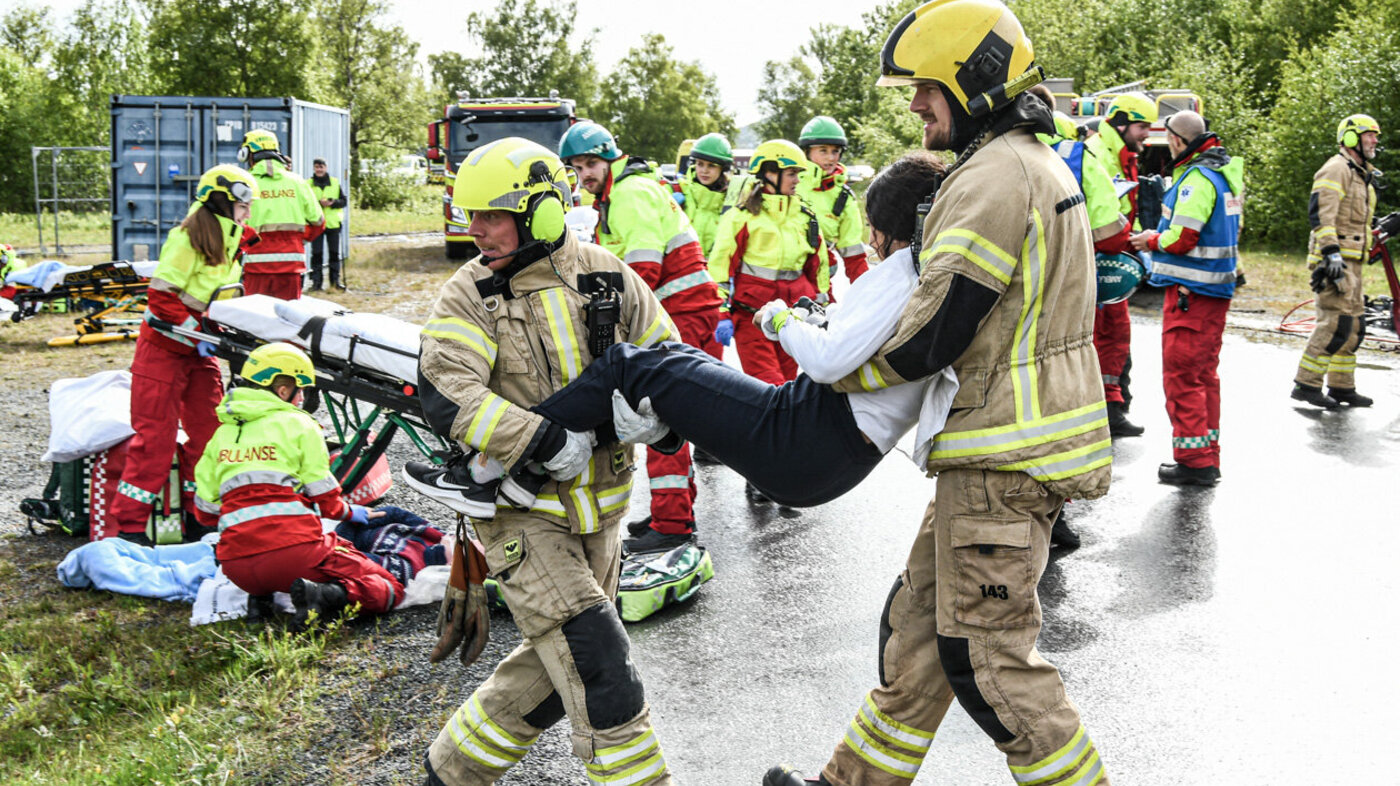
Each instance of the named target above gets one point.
<point>1340,208</point>
<point>1008,238</point>
<point>495,347</point>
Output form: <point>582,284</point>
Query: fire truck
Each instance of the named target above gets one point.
<point>1088,110</point>
<point>472,122</point>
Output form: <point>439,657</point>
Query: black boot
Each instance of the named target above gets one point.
<point>1350,397</point>
<point>1314,396</point>
<point>639,527</point>
<point>325,600</point>
<point>1061,535</point>
<point>783,775</point>
<point>1118,423</point>
<point>261,610</point>
<point>653,541</point>
<point>1182,475</point>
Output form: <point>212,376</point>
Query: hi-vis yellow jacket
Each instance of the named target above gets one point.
<point>1030,396</point>
<point>1340,208</point>
<point>495,347</point>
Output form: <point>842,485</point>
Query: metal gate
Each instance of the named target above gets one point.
<point>90,179</point>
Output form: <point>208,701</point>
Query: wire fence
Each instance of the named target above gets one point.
<point>69,179</point>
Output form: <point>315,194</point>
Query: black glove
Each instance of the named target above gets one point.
<point>1389,225</point>
<point>1319,278</point>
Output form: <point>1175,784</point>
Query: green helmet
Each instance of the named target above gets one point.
<point>713,148</point>
<point>822,130</point>
<point>586,138</point>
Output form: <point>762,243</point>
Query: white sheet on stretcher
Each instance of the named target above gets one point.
<point>280,320</point>
<point>50,273</point>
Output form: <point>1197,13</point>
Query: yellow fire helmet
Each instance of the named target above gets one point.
<point>234,182</point>
<point>269,361</point>
<point>256,142</point>
<point>1131,108</point>
<point>780,151</point>
<point>1351,128</point>
<point>976,49</point>
<point>517,176</point>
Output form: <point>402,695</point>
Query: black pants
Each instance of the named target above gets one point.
<point>797,443</point>
<point>331,238</point>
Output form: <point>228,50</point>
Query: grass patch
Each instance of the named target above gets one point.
<point>97,688</point>
<point>1279,280</point>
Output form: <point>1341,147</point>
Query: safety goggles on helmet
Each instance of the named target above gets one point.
<point>233,182</point>
<point>781,152</point>
<point>976,49</point>
<point>270,361</point>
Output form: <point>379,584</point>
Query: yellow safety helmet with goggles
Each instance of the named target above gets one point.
<point>270,361</point>
<point>1351,128</point>
<point>233,182</point>
<point>781,152</point>
<point>517,176</point>
<point>257,141</point>
<point>976,49</point>
<point>1131,108</point>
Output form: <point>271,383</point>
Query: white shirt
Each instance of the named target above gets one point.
<point>856,328</point>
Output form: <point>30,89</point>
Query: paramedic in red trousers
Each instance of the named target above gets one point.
<point>1005,298</point>
<point>640,222</point>
<point>286,216</point>
<point>1194,255</point>
<point>1119,140</point>
<point>265,481</point>
<point>174,384</point>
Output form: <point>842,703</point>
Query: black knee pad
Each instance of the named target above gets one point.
<point>1345,324</point>
<point>432,779</point>
<point>546,713</point>
<point>599,646</point>
<point>886,630</point>
<point>957,667</point>
<point>1360,330</point>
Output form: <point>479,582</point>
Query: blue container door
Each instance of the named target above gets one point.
<point>157,160</point>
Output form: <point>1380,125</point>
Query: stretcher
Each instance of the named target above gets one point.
<point>1382,313</point>
<point>366,370</point>
<point>112,296</point>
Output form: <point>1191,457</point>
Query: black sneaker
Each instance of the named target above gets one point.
<point>1061,535</point>
<point>1118,423</point>
<point>1314,396</point>
<point>1182,475</point>
<point>452,485</point>
<point>323,601</point>
<point>651,541</point>
<point>522,485</point>
<point>1350,397</point>
<point>261,611</point>
<point>783,775</point>
<point>639,527</point>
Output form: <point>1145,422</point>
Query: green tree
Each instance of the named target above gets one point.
<point>526,48</point>
<point>27,30</point>
<point>787,99</point>
<point>652,101</point>
<point>231,48</point>
<point>23,122</point>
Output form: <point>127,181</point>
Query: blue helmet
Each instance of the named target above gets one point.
<point>1119,276</point>
<point>588,139</point>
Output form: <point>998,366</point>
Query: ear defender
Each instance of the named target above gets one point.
<point>545,214</point>
<point>1350,139</point>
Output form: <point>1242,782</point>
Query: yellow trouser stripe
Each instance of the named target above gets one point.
<point>1317,365</point>
<point>483,424</point>
<point>481,739</point>
<point>914,739</point>
<point>561,329</point>
<point>454,329</point>
<point>870,749</point>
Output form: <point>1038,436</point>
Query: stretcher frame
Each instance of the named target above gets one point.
<point>116,287</point>
<point>342,385</point>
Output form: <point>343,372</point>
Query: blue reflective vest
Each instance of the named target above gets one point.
<point>1072,152</point>
<point>1209,268</point>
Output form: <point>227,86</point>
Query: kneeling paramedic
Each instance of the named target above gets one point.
<point>265,481</point>
<point>506,333</point>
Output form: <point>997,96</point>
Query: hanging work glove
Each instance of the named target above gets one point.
<point>1389,225</point>
<point>463,615</point>
<point>815,314</point>
<point>638,426</point>
<point>571,459</point>
<point>1330,270</point>
<point>724,331</point>
<point>765,317</point>
<point>205,349</point>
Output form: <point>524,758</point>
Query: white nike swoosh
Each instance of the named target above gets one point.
<point>441,482</point>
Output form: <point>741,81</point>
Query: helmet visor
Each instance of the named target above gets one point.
<point>240,191</point>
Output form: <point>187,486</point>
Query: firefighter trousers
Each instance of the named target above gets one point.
<point>798,443</point>
<point>1341,324</point>
<point>1193,327</point>
<point>761,358</point>
<point>961,623</point>
<point>672,478</point>
<point>1113,338</point>
<point>332,558</point>
<point>574,662</point>
<point>168,391</point>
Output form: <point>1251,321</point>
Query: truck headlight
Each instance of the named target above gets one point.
<point>459,215</point>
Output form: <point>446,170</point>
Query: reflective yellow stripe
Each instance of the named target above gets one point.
<point>1077,759</point>
<point>1316,365</point>
<point>483,424</point>
<point>1352,253</point>
<point>613,499</point>
<point>1331,184</point>
<point>1327,230</point>
<point>561,328</point>
<point>454,329</point>
<point>483,740</point>
<point>870,749</point>
<point>640,746</point>
<point>870,378</point>
<point>975,249</point>
<point>607,501</point>
<point>903,734</point>
<point>659,330</point>
<point>584,500</point>
<point>1066,464</point>
<point>1025,380</point>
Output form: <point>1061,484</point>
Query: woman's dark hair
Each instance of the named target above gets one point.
<point>205,232</point>
<point>893,197</point>
<point>754,203</point>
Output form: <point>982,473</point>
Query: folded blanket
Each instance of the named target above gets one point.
<point>165,572</point>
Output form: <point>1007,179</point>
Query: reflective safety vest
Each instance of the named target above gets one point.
<point>1118,161</point>
<point>778,253</point>
<point>334,215</point>
<point>184,284</point>
<point>1100,197</point>
<point>838,212</point>
<point>703,206</point>
<point>1209,268</point>
<point>265,475</point>
<point>640,222</point>
<point>285,216</point>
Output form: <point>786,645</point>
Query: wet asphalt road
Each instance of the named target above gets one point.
<point>1235,635</point>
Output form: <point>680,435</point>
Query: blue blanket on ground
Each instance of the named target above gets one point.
<point>166,572</point>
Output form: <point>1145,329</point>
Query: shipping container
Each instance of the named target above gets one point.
<point>162,144</point>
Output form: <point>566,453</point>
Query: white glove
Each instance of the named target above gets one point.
<point>764,318</point>
<point>572,459</point>
<point>639,426</point>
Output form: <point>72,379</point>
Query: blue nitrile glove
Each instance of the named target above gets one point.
<point>359,514</point>
<point>679,197</point>
<point>205,349</point>
<point>724,331</point>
